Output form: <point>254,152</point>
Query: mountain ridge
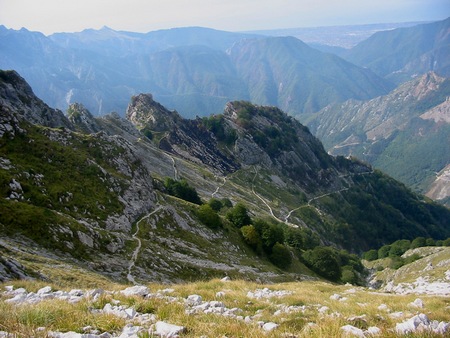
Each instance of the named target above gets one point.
<point>89,197</point>
<point>394,132</point>
<point>403,53</point>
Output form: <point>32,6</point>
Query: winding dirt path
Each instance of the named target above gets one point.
<point>219,186</point>
<point>174,166</point>
<point>308,204</point>
<point>136,251</point>
<point>262,199</point>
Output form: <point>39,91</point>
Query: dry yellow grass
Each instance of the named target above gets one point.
<point>305,322</point>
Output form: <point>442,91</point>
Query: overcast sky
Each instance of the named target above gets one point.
<point>49,16</point>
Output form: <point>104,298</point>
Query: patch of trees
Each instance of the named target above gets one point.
<point>396,249</point>
<point>335,265</point>
<point>264,237</point>
<point>216,125</point>
<point>207,213</point>
<point>277,241</point>
<point>182,189</point>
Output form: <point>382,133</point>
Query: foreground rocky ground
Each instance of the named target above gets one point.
<point>219,308</point>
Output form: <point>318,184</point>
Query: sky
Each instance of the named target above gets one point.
<point>50,16</point>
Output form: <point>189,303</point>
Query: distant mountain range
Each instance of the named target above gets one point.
<point>405,133</point>
<point>193,70</point>
<point>197,70</point>
<point>337,38</point>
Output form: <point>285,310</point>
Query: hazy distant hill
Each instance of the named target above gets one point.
<point>287,73</point>
<point>405,133</point>
<point>107,41</point>
<point>193,70</point>
<point>402,53</point>
<point>345,36</point>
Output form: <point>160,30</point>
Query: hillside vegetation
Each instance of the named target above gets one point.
<point>395,132</point>
<point>249,193</point>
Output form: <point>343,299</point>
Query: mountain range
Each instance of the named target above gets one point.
<point>132,198</point>
<point>198,70</point>
<point>193,70</point>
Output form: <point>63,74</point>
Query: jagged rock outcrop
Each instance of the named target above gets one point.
<point>18,100</point>
<point>82,119</point>
<point>188,139</point>
<point>144,112</point>
<point>271,139</point>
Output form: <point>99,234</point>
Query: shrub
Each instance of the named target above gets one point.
<point>371,255</point>
<point>418,242</point>
<point>280,256</point>
<point>323,261</point>
<point>412,258</point>
<point>271,234</point>
<point>383,252</point>
<point>208,216</point>
<point>399,247</point>
<point>215,204</point>
<point>430,242</point>
<point>226,203</point>
<point>397,262</point>
<point>238,215</point>
<point>182,189</point>
<point>348,275</point>
<point>252,238</point>
<point>294,237</point>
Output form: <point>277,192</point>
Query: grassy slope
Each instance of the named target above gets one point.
<point>309,322</point>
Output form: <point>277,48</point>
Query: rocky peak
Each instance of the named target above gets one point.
<point>427,83</point>
<point>17,97</point>
<point>268,137</point>
<point>144,112</point>
<point>82,119</point>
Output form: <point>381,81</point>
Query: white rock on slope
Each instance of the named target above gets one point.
<point>420,323</point>
<point>167,330</point>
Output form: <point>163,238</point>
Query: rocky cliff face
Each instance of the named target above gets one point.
<point>17,99</point>
<point>82,119</point>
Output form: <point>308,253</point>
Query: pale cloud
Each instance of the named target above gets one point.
<point>49,16</point>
